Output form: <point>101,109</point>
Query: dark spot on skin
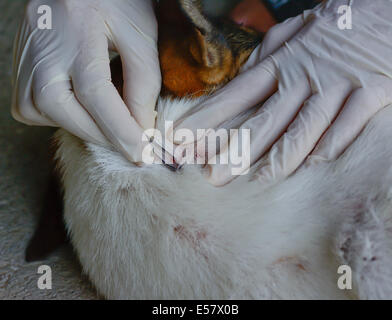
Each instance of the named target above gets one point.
<point>300,266</point>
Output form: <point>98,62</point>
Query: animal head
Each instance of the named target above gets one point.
<point>199,53</point>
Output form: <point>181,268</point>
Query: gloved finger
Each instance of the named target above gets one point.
<point>362,105</point>
<point>141,70</point>
<point>244,92</point>
<point>58,102</point>
<point>274,39</point>
<point>24,110</point>
<point>303,134</point>
<point>92,84</point>
<point>266,126</point>
<point>204,148</point>
<point>23,106</point>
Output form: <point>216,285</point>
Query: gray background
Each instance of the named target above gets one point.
<point>218,7</point>
<point>23,178</point>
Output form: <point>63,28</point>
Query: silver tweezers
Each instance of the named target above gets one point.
<point>166,157</point>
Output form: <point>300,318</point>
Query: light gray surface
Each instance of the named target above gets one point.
<point>23,178</point>
<point>218,7</point>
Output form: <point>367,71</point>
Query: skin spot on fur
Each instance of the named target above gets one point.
<point>183,233</point>
<point>194,238</point>
<point>295,261</point>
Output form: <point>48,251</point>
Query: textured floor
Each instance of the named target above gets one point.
<point>23,176</point>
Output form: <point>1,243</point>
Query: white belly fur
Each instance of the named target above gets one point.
<point>147,233</point>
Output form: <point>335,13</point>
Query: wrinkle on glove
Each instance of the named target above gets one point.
<point>61,77</point>
<point>330,82</point>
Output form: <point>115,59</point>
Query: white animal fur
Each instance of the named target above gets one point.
<point>147,233</point>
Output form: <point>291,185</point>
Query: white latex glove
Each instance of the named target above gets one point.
<point>61,77</point>
<point>329,83</point>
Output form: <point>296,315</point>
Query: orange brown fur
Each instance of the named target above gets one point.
<point>195,62</point>
<point>192,63</point>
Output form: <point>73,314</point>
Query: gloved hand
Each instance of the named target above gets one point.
<point>61,77</point>
<point>329,83</point>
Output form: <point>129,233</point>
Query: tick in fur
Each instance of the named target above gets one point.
<point>197,55</point>
<point>146,233</point>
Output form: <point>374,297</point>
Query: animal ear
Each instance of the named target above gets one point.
<point>205,47</point>
<point>193,9</point>
<point>205,52</point>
